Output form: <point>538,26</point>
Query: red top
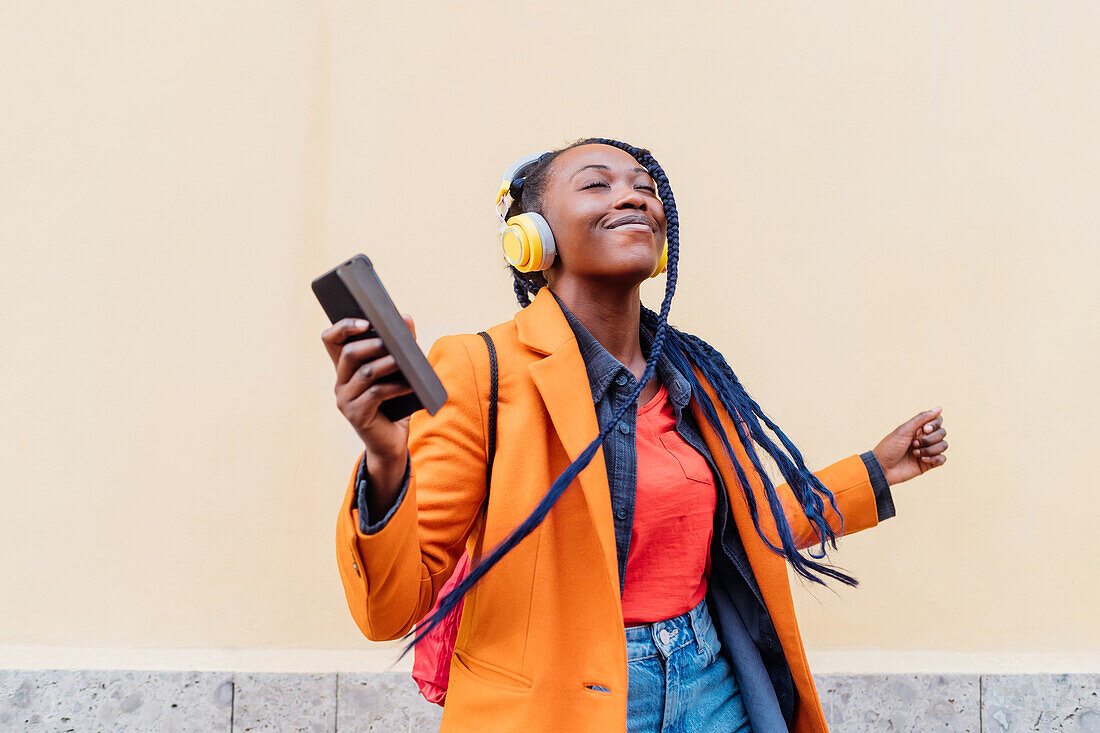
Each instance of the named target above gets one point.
<point>669,558</point>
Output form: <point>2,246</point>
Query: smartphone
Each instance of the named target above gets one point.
<point>353,290</point>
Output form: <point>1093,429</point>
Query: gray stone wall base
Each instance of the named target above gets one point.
<point>384,702</point>
<point>280,702</point>
<point>889,702</point>
<point>32,700</point>
<point>208,702</point>
<point>1062,702</point>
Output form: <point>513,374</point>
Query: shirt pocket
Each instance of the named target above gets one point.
<point>691,461</point>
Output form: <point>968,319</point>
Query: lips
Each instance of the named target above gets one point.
<point>632,219</point>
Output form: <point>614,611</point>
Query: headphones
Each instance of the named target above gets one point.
<point>526,239</point>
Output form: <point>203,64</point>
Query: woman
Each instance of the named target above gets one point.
<point>653,595</point>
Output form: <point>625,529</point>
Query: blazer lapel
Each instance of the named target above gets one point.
<point>562,381</point>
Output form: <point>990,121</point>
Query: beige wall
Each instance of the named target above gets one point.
<point>883,208</point>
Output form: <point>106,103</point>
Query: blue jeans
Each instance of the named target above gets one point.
<point>678,679</point>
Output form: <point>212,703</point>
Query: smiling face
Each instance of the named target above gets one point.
<point>607,219</point>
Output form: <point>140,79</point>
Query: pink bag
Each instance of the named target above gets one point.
<point>432,654</point>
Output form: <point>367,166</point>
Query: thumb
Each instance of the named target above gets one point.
<point>915,423</point>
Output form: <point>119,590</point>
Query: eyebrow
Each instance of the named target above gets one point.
<point>604,167</point>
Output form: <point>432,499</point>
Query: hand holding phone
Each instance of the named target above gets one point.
<point>367,375</point>
<point>382,376</point>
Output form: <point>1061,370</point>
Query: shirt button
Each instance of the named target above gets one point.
<point>621,380</point>
<point>624,428</point>
<point>621,513</point>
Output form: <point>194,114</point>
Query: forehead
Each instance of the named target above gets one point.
<point>574,159</point>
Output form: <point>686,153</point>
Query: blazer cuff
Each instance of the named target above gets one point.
<point>884,501</point>
<point>362,484</point>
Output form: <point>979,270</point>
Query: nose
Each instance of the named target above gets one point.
<point>630,198</point>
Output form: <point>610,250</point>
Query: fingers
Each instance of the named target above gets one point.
<point>355,355</point>
<point>916,423</point>
<point>932,450</point>
<point>929,447</point>
<point>929,439</point>
<point>928,444</point>
<point>930,417</point>
<point>367,374</point>
<point>362,409</point>
<point>362,366</point>
<point>338,333</point>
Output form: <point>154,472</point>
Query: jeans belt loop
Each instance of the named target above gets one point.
<point>697,628</point>
<point>655,635</point>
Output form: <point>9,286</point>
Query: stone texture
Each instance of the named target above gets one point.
<point>384,703</point>
<point>79,701</point>
<point>284,702</point>
<point>1041,702</point>
<point>115,700</point>
<point>900,702</point>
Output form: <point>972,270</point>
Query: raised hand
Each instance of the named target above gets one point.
<point>915,446</point>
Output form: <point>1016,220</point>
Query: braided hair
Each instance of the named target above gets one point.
<point>685,352</point>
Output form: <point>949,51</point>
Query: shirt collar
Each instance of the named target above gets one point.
<point>603,367</point>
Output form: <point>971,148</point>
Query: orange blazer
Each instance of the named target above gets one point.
<point>546,623</point>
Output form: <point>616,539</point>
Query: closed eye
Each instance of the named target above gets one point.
<point>651,189</point>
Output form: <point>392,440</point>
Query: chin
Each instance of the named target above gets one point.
<point>630,273</point>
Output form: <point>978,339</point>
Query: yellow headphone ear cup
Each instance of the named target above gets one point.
<point>528,243</point>
<point>662,261</point>
<point>534,244</point>
<point>512,242</point>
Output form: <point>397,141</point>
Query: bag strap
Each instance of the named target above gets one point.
<point>492,448</point>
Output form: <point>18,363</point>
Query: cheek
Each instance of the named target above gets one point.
<point>578,238</point>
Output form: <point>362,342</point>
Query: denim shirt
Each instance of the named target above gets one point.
<point>739,610</point>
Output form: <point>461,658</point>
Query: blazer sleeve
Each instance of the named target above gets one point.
<point>850,480</point>
<point>392,575</point>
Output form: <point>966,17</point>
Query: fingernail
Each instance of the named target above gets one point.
<point>928,428</point>
<point>360,323</point>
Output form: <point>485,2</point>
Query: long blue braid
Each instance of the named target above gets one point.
<point>687,350</point>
